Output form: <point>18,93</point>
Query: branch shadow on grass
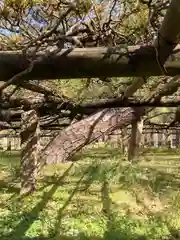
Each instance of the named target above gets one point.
<point>97,153</point>
<point>164,181</point>
<point>62,209</point>
<point>5,186</point>
<point>80,236</point>
<point>116,229</point>
<point>159,180</point>
<point>21,228</point>
<point>29,217</point>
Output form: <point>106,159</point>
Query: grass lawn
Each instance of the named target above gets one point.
<point>99,197</point>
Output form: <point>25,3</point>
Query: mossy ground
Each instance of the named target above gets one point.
<point>100,196</point>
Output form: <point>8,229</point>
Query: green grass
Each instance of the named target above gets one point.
<point>101,196</point>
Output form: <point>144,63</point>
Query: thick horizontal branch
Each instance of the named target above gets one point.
<point>89,62</point>
<point>88,108</point>
<point>130,102</point>
<point>17,126</point>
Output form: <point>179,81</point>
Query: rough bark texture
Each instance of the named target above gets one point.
<point>135,139</point>
<point>83,132</point>
<point>30,147</point>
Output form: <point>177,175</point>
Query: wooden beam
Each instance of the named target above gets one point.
<point>121,61</point>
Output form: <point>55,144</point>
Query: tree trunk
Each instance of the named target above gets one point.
<point>135,139</point>
<point>30,147</point>
<point>77,135</point>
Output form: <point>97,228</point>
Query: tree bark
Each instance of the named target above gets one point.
<point>102,62</point>
<point>89,62</point>
<point>30,147</point>
<point>169,32</point>
<point>135,139</point>
<point>167,39</point>
<point>77,135</point>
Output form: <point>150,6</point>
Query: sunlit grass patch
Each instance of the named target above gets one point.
<point>98,197</point>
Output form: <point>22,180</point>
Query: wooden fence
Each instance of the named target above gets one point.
<point>152,137</point>
<point>13,141</point>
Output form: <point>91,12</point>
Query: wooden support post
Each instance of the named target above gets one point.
<point>163,139</point>
<point>30,136</point>
<point>135,139</point>
<point>177,138</point>
<point>155,140</point>
<point>168,141</point>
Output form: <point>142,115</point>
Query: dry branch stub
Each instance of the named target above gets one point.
<point>30,147</point>
<point>77,135</point>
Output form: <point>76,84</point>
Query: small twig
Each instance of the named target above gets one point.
<point>49,33</point>
<point>16,77</point>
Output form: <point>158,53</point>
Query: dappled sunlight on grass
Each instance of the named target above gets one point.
<point>100,197</point>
